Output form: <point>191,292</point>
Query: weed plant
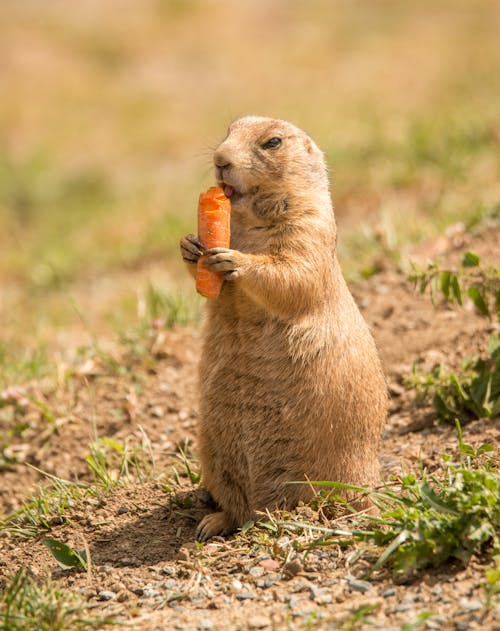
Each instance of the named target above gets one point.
<point>473,392</point>
<point>27,604</point>
<point>424,520</point>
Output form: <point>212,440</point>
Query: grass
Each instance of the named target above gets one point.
<point>27,603</point>
<point>110,464</point>
<point>425,520</point>
<point>473,392</point>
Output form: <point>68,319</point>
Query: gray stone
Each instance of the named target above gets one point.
<point>247,595</point>
<point>168,570</point>
<point>358,585</point>
<point>106,595</point>
<point>389,592</point>
<point>469,605</point>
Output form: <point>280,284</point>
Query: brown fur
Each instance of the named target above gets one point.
<point>290,380</point>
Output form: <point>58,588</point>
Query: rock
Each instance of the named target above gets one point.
<point>402,608</point>
<point>259,622</point>
<point>183,555</point>
<point>106,595</point>
<point>236,585</point>
<point>469,605</point>
<point>122,510</point>
<point>205,624</point>
<point>292,568</point>
<point>170,584</point>
<point>389,592</point>
<point>436,622</point>
<point>320,596</point>
<point>358,585</point>
<point>128,562</point>
<point>267,582</point>
<point>256,571</point>
<point>168,570</point>
<point>270,565</point>
<point>150,593</point>
<point>247,595</point>
<point>324,599</point>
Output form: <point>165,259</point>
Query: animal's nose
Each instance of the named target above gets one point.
<point>221,160</point>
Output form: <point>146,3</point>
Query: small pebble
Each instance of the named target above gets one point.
<point>150,593</point>
<point>270,565</point>
<point>122,510</point>
<point>292,568</point>
<point>436,622</point>
<point>256,571</point>
<point>205,624</point>
<point>358,585</point>
<point>402,607</point>
<point>183,555</point>
<point>168,570</point>
<point>470,604</point>
<point>236,585</point>
<point>245,596</point>
<point>324,599</point>
<point>267,582</point>
<point>389,592</point>
<point>106,595</point>
<point>170,584</point>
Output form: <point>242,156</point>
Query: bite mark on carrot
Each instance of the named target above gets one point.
<point>214,210</point>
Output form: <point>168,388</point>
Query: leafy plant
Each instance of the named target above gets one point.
<point>473,393</point>
<point>66,556</point>
<point>480,284</point>
<point>429,520</point>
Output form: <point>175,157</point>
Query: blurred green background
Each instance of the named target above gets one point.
<point>109,112</point>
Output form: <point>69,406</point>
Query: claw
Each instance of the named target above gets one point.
<point>212,525</point>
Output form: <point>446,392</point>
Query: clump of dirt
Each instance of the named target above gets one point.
<point>146,568</point>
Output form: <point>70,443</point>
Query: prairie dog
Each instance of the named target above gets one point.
<point>291,386</point>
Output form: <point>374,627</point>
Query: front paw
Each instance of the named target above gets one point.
<point>231,263</point>
<point>191,249</point>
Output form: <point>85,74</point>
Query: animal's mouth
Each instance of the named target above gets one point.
<point>230,191</point>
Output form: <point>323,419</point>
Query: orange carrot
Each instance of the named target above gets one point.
<point>214,210</point>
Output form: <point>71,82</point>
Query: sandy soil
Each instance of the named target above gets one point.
<point>148,571</point>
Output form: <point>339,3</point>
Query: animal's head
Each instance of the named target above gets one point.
<point>263,163</point>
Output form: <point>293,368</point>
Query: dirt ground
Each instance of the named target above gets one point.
<point>146,569</point>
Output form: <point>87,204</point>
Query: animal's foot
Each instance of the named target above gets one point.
<point>212,525</point>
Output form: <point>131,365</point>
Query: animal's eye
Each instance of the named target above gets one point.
<point>273,143</point>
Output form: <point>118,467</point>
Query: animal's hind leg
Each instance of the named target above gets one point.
<point>229,486</point>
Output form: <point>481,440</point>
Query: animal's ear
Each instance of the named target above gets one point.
<point>308,144</point>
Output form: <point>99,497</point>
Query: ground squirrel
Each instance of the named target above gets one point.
<point>290,381</point>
